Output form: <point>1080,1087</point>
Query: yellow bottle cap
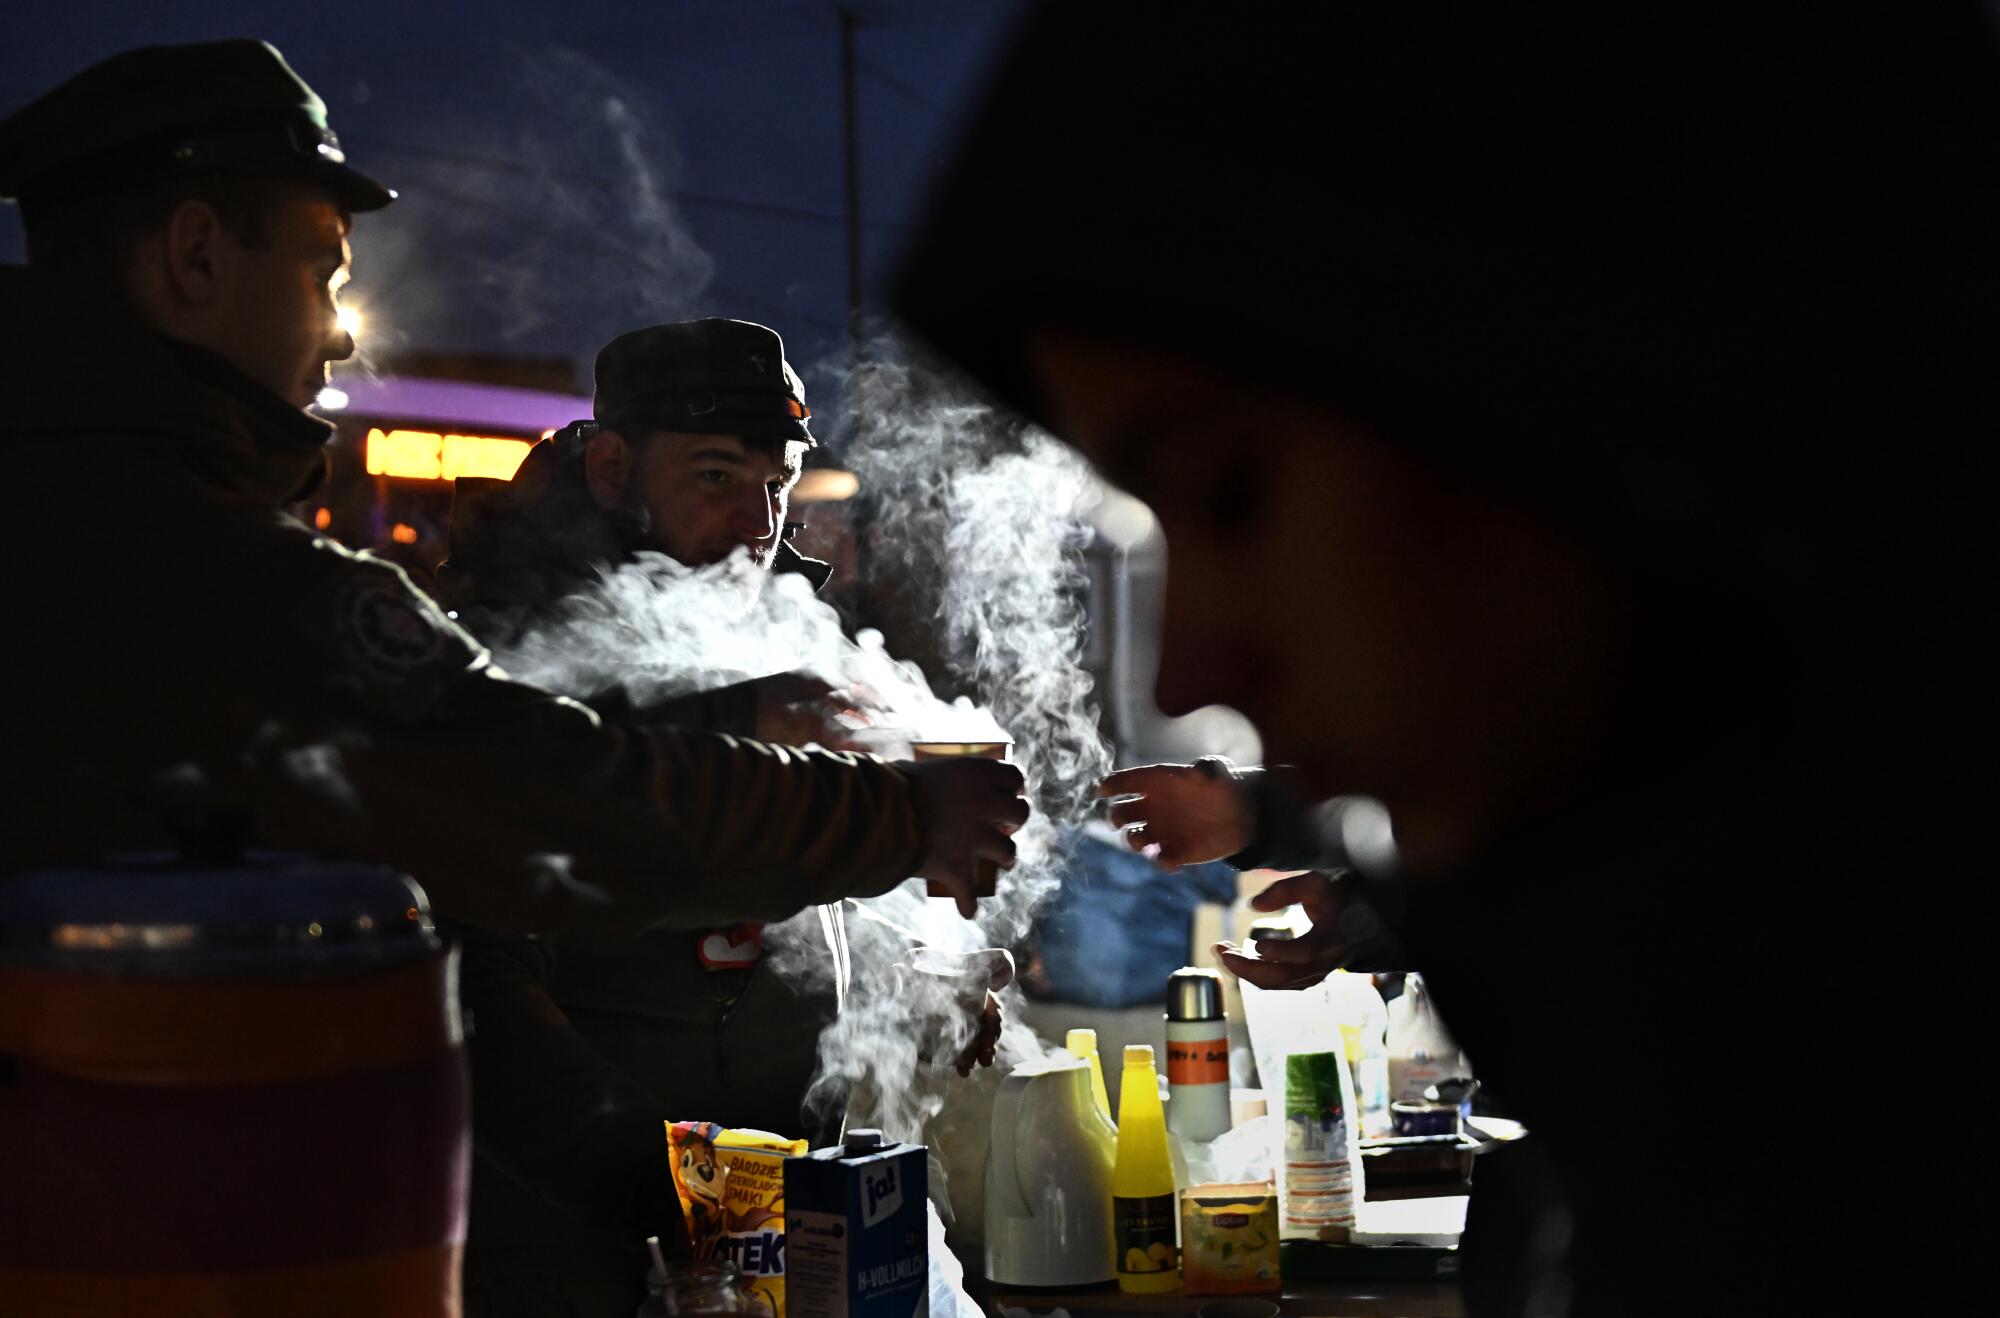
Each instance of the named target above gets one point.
<point>1138,1054</point>
<point>1081,1042</point>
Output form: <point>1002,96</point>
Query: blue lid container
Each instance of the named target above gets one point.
<point>268,914</point>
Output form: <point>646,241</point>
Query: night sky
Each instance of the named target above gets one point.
<point>569,172</point>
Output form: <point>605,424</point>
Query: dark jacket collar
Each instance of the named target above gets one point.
<point>76,366</point>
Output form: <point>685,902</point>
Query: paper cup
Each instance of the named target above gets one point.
<point>986,875</point>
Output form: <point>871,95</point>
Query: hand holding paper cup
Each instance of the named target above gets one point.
<point>971,803</point>
<point>958,987</point>
<point>986,875</point>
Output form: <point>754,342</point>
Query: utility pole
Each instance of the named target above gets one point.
<point>851,139</point>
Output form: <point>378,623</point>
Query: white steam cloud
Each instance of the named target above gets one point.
<point>552,223</point>
<point>983,527</point>
<point>977,529</point>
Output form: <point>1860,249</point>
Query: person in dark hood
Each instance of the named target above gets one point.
<point>1570,431</point>
<point>207,667</point>
<point>583,1045</point>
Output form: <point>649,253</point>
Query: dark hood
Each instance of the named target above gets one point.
<point>1637,265</point>
<point>519,545</point>
<point>1713,285</point>
<point>77,367</point>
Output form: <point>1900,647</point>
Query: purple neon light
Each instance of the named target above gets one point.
<point>460,406</point>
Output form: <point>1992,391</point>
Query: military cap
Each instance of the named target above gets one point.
<point>165,112</point>
<point>708,377</point>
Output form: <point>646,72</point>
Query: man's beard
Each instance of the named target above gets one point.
<point>636,527</point>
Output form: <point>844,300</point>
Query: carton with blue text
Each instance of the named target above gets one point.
<point>857,1237</point>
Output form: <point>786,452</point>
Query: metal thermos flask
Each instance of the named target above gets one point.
<point>1197,1055</point>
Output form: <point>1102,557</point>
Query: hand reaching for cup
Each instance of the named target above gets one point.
<point>985,1039</point>
<point>964,988</point>
<point>1300,962</point>
<point>1188,813</point>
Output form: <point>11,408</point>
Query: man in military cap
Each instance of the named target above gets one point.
<point>187,211</point>
<point>584,1044</point>
<point>699,434</point>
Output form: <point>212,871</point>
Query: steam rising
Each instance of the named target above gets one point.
<point>981,522</point>
<point>983,525</point>
<point>554,224</point>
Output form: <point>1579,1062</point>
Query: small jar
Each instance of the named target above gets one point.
<point>685,1290</point>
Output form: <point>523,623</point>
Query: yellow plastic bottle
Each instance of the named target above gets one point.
<point>1083,1043</point>
<point>1143,1213</point>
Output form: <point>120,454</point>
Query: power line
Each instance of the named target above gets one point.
<point>895,84</point>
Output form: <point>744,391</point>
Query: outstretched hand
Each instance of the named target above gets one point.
<point>1292,963</point>
<point>798,709</point>
<point>1189,815</point>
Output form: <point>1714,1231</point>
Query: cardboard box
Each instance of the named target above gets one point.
<point>857,1238</point>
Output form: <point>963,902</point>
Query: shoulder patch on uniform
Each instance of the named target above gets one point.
<point>383,640</point>
<point>384,627</point>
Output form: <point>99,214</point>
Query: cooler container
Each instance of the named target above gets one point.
<point>228,1089</point>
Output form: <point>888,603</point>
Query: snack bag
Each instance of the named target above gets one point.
<point>732,1189</point>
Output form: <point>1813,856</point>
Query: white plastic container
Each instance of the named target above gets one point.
<point>1048,1179</point>
<point>1364,1026</point>
<point>1421,1050</point>
<point>1284,1022</point>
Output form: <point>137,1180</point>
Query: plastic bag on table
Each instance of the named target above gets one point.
<point>1240,1154</point>
<point>948,1297</point>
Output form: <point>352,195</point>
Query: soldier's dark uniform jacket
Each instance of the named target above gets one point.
<point>179,641</point>
<point>183,649</point>
<point>584,1044</point>
<point>183,653</point>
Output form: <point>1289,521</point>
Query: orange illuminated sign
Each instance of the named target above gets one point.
<point>425,455</point>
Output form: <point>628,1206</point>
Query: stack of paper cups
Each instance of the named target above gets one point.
<point>1319,1174</point>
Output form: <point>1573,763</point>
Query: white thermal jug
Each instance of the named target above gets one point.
<point>1048,1178</point>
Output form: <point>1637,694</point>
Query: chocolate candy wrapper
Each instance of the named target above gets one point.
<point>731,1185</point>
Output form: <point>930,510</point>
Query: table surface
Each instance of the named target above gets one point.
<point>1300,1299</point>
<point>1428,1221</point>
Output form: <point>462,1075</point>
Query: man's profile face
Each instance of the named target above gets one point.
<point>282,296</point>
<point>706,496</point>
<point>1389,628</point>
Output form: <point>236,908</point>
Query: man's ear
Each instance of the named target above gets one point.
<point>607,467</point>
<point>196,257</point>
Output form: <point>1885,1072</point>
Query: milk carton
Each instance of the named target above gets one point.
<point>857,1239</point>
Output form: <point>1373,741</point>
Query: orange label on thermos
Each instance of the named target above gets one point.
<point>1201,1062</point>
